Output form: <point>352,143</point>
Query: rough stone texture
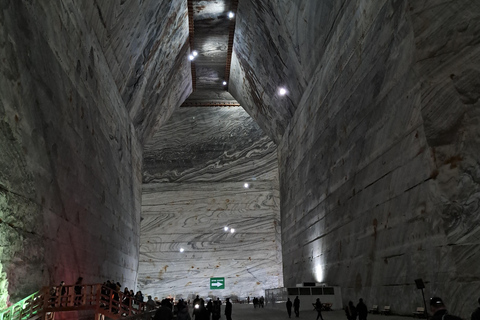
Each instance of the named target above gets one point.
<point>70,181</point>
<point>145,44</point>
<point>194,171</point>
<point>378,139</point>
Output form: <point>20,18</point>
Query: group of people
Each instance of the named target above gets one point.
<point>59,295</point>
<point>437,307</point>
<point>112,290</point>
<point>352,311</point>
<point>257,302</point>
<point>201,310</point>
<point>296,307</point>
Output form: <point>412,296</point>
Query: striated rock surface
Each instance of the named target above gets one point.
<point>75,79</point>
<point>377,141</point>
<point>146,47</point>
<point>210,145</point>
<point>195,168</point>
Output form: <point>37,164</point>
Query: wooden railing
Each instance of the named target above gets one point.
<point>105,301</point>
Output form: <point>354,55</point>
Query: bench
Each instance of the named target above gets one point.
<point>420,312</point>
<point>386,310</point>
<point>374,309</point>
<point>327,306</point>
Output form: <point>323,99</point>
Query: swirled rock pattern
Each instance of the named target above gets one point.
<point>194,174</point>
<point>210,144</point>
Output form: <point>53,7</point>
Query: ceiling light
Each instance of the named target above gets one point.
<point>195,53</point>
<point>224,83</point>
<point>181,249</point>
<point>231,14</point>
<point>232,230</point>
<point>225,228</point>
<point>191,57</point>
<point>246,185</point>
<point>282,91</point>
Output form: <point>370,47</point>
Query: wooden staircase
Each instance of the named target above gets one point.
<point>104,301</point>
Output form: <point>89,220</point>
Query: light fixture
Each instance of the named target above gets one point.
<point>224,83</point>
<point>282,91</point>
<point>246,185</point>
<point>231,15</point>
<point>225,228</point>
<point>195,53</point>
<point>191,57</point>
<point>232,230</point>
<point>181,249</point>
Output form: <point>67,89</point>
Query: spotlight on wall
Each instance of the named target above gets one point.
<point>225,228</point>
<point>231,15</point>
<point>282,91</point>
<point>181,249</point>
<point>318,273</point>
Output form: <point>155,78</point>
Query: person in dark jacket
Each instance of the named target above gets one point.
<point>217,309</point>
<point>362,310</point>
<point>164,312</point>
<point>318,307</point>
<point>228,309</point>
<point>437,307</point>
<point>296,306</point>
<point>351,311</point>
<point>183,313</point>
<point>78,291</point>
<point>289,307</point>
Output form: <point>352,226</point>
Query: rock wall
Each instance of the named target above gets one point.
<point>195,168</point>
<point>70,157</point>
<point>378,166</point>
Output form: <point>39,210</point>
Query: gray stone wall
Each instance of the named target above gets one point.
<point>378,164</point>
<point>70,157</point>
<point>195,168</point>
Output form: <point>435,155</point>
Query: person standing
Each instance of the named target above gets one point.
<point>362,310</point>
<point>63,291</point>
<point>164,312</point>
<point>196,305</point>
<point>296,307</point>
<point>476,313</point>
<point>351,311</point>
<point>183,313</point>
<point>209,308</point>
<point>78,291</point>
<point>437,307</point>
<point>318,307</point>
<point>217,309</point>
<point>228,309</point>
<point>289,308</point>
<point>150,305</point>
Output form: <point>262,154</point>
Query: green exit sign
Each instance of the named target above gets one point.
<point>217,283</point>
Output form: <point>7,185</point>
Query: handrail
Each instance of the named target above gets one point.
<point>103,300</point>
<point>23,309</point>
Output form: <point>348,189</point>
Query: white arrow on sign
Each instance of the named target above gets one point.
<point>217,284</point>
